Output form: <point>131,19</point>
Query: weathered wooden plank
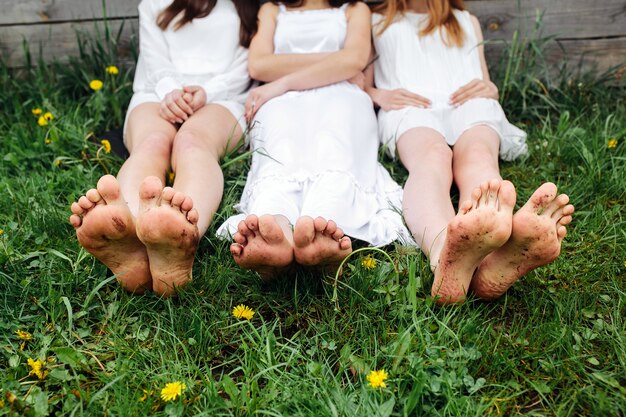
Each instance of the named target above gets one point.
<point>567,19</point>
<point>16,12</point>
<point>57,41</point>
<point>576,54</point>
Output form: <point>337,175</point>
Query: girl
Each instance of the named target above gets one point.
<point>187,111</point>
<point>314,136</point>
<point>439,109</point>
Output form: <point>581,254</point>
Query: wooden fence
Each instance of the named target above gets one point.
<point>587,34</point>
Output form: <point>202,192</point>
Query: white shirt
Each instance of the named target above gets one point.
<point>204,52</point>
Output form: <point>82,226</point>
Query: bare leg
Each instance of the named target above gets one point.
<point>475,160</point>
<point>426,203</point>
<point>538,230</point>
<point>167,226</point>
<point>264,245</point>
<point>198,146</point>
<point>481,226</point>
<point>320,242</point>
<point>149,140</point>
<point>106,229</point>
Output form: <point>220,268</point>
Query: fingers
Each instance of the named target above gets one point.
<point>474,89</point>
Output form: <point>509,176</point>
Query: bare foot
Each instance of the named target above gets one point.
<point>538,230</point>
<point>166,224</point>
<point>320,243</point>
<point>105,228</point>
<point>263,244</point>
<point>481,226</point>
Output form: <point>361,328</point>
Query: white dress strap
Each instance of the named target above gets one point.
<point>282,8</point>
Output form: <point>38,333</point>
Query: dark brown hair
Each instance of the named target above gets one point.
<point>298,3</point>
<point>191,9</point>
<point>439,14</point>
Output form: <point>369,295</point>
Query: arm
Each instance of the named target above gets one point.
<point>162,76</point>
<point>477,88</point>
<point>338,66</point>
<point>263,63</point>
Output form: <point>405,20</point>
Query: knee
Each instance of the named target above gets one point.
<point>156,144</point>
<point>189,141</point>
<point>436,154</point>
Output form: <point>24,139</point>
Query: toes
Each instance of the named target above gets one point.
<point>492,194</point>
<point>94,196</point>
<point>150,190</point>
<point>331,228</point>
<point>320,224</point>
<point>561,231</point>
<point>484,194</point>
<point>193,216</point>
<point>541,197</point>
<point>252,222</point>
<point>565,220</point>
<point>304,231</point>
<point>187,204</point>
<point>240,239</point>
<point>338,234</point>
<point>554,208</point>
<point>77,209</point>
<point>178,199</point>
<point>466,206</point>
<point>507,196</point>
<point>76,220</point>
<point>236,249</point>
<point>85,203</point>
<point>270,230</point>
<point>109,188</point>
<point>345,243</point>
<point>167,195</point>
<point>244,230</point>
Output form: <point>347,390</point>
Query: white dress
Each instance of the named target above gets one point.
<point>426,66</point>
<point>205,52</point>
<point>315,151</point>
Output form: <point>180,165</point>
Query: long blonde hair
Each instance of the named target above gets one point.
<point>439,14</point>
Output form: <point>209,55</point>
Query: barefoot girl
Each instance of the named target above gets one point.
<point>314,173</point>
<point>439,110</point>
<point>186,112</point>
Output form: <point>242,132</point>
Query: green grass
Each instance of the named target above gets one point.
<point>555,344</point>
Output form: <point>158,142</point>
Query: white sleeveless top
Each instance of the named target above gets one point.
<point>310,31</point>
<point>424,63</point>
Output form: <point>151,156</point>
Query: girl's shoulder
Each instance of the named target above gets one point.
<point>357,7</point>
<point>269,9</point>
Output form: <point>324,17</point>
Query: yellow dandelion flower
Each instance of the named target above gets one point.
<point>2,232</point>
<point>36,111</point>
<point>368,263</point>
<point>243,312</point>
<point>48,116</point>
<point>376,379</point>
<point>112,69</point>
<point>172,390</point>
<point>95,85</point>
<point>23,335</point>
<point>57,162</point>
<point>612,143</point>
<point>36,368</point>
<point>47,141</point>
<point>106,145</point>
<point>41,121</point>
<point>1,403</point>
<point>171,177</point>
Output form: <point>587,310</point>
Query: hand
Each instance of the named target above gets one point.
<point>358,80</point>
<point>399,99</point>
<point>195,96</point>
<point>474,89</point>
<point>260,95</point>
<point>174,108</point>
